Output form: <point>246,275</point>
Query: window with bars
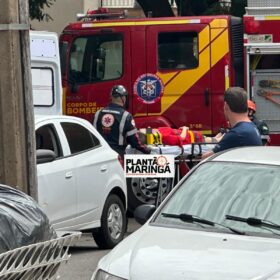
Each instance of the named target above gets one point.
<point>118,3</point>
<point>125,3</point>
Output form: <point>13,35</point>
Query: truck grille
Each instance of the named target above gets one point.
<point>237,39</point>
<point>237,49</point>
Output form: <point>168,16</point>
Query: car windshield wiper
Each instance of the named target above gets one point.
<point>192,218</point>
<point>254,222</point>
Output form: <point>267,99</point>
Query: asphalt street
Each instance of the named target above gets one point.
<point>85,255</point>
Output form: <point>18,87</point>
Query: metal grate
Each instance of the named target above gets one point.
<point>38,261</point>
<point>126,3</point>
<point>263,7</point>
<point>263,3</point>
<point>237,39</point>
<point>118,3</point>
<point>256,11</point>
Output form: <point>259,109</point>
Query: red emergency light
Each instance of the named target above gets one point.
<point>98,11</point>
<point>251,26</point>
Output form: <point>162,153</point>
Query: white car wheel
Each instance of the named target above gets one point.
<point>113,223</point>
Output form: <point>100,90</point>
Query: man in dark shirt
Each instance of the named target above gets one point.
<point>116,124</point>
<point>243,132</point>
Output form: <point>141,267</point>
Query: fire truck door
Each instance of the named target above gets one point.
<point>178,64</point>
<point>139,70</point>
<point>98,61</point>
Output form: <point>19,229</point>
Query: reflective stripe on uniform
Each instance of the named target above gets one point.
<point>131,132</point>
<point>122,123</point>
<point>111,111</point>
<point>96,118</point>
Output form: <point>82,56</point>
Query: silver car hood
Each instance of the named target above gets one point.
<point>167,253</point>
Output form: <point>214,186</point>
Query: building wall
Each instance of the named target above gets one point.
<point>63,12</point>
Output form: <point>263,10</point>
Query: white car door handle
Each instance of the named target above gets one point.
<point>69,175</point>
<point>103,168</point>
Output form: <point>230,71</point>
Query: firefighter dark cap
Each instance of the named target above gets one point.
<point>118,91</point>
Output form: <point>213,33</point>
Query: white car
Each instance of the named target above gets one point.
<point>221,222</point>
<point>81,183</point>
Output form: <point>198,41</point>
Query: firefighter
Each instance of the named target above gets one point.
<point>261,125</point>
<point>116,124</point>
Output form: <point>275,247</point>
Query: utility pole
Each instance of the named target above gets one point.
<point>17,137</point>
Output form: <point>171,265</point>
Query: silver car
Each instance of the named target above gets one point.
<point>222,221</point>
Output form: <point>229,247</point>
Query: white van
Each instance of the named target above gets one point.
<point>46,74</point>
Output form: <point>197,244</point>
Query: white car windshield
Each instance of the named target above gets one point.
<point>218,189</point>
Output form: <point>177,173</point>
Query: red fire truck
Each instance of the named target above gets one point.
<point>262,61</point>
<point>175,69</point>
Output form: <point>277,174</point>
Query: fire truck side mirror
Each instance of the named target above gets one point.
<point>100,57</point>
<point>101,53</point>
<point>63,47</point>
<point>74,87</point>
<point>100,69</point>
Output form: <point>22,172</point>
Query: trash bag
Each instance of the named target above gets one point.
<point>22,220</point>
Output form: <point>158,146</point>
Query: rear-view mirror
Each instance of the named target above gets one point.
<point>143,212</point>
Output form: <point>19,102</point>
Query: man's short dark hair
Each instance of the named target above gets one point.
<point>236,98</point>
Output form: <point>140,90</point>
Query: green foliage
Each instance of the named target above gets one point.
<point>36,9</point>
<point>238,7</point>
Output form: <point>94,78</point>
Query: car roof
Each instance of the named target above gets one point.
<point>53,117</point>
<point>261,155</point>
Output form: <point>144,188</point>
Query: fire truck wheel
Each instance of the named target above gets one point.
<point>144,191</point>
<point>113,224</point>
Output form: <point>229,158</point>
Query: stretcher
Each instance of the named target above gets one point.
<point>192,150</point>
<point>185,158</point>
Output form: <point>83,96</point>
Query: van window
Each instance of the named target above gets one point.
<point>79,138</point>
<point>177,50</point>
<point>42,86</point>
<point>96,58</point>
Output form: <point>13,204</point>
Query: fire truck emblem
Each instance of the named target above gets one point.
<point>107,120</point>
<point>148,88</point>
